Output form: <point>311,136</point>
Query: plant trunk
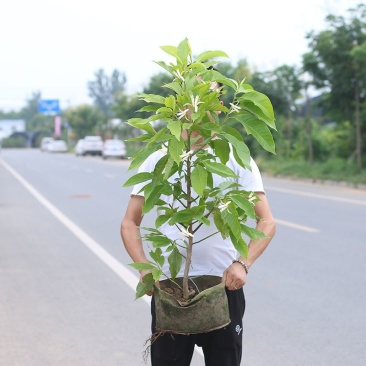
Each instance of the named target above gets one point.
<point>358,130</point>
<point>288,133</point>
<point>310,127</point>
<point>190,238</point>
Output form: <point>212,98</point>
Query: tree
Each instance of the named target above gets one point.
<point>36,122</point>
<point>190,125</point>
<point>105,90</point>
<point>83,120</point>
<point>282,86</point>
<point>336,63</point>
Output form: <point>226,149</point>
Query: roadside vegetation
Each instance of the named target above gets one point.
<point>320,106</point>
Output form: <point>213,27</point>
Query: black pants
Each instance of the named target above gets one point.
<point>221,347</point>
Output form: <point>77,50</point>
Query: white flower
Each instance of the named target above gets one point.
<point>234,108</point>
<point>178,75</point>
<point>182,114</point>
<point>186,155</point>
<point>185,233</point>
<point>195,101</point>
<point>223,206</point>
<point>251,197</point>
<point>163,149</point>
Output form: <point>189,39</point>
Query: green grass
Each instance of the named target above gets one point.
<point>336,170</point>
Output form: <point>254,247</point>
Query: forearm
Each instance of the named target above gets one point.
<point>257,247</point>
<point>131,238</point>
<point>265,224</point>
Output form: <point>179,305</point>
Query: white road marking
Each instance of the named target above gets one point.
<point>297,226</point>
<point>317,195</point>
<point>120,270</point>
<point>109,176</point>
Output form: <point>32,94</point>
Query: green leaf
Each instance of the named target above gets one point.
<point>227,81</point>
<point>143,137</point>
<point>239,146</point>
<point>170,102</point>
<point>157,256</point>
<point>184,50</point>
<point>210,54</point>
<point>219,169</point>
<point>220,224</point>
<point>152,98</point>
<point>152,199</point>
<point>176,87</point>
<point>230,217</point>
<point>144,287</point>
<point>205,221</point>
<point>160,136</point>
<point>240,245</point>
<point>253,233</point>
<point>138,178</point>
<point>169,168</point>
<point>170,50</point>
<point>142,266</point>
<point>159,241</point>
<point>245,88</point>
<point>159,167</point>
<point>264,109</point>
<point>142,124</point>
<point>148,108</point>
<point>161,219</point>
<point>141,156</point>
<point>226,185</point>
<point>175,128</point>
<point>175,262</point>
<point>164,112</point>
<point>222,150</point>
<point>175,149</point>
<point>199,179</point>
<point>165,66</point>
<point>259,130</point>
<point>156,273</point>
<point>244,204</point>
<point>187,215</point>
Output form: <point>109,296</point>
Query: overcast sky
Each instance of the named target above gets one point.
<point>55,46</point>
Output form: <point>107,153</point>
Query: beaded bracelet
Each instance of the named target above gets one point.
<point>243,264</point>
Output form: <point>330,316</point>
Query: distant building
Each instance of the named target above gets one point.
<point>10,126</point>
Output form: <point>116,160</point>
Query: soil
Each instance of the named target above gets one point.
<point>178,293</point>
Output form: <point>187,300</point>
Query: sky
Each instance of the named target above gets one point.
<point>55,46</point>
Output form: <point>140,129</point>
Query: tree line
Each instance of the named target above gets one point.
<point>320,106</point>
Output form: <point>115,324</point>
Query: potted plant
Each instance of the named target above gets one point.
<point>195,140</point>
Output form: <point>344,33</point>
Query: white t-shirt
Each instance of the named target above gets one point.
<point>213,255</point>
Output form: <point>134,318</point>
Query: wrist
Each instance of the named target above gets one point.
<point>243,264</point>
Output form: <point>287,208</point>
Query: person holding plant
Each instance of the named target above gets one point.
<point>222,346</point>
<point>198,174</point>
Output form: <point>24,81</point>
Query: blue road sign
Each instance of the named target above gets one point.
<point>49,106</point>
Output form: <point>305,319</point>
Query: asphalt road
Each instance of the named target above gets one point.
<point>67,292</point>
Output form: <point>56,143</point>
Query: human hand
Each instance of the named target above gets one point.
<point>142,275</point>
<point>234,277</point>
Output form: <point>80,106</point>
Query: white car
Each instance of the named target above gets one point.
<point>90,145</point>
<point>114,148</point>
<point>79,147</point>
<point>57,146</point>
<point>44,143</point>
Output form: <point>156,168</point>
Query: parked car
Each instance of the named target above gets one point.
<point>79,147</point>
<point>57,146</point>
<point>91,145</point>
<point>114,148</point>
<point>44,143</point>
